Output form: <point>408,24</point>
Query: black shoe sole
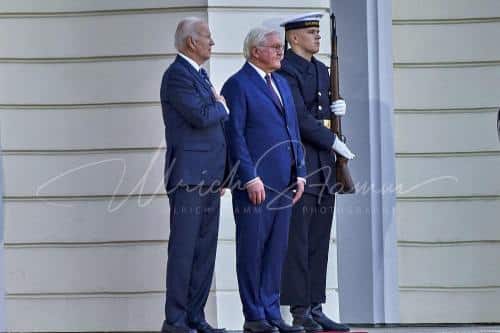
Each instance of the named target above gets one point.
<point>331,330</point>
<point>292,331</point>
<point>299,331</point>
<point>269,331</point>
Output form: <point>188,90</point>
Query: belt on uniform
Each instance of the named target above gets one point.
<point>324,122</point>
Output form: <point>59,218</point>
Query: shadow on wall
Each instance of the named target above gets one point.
<point>498,125</point>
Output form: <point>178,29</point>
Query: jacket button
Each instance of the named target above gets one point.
<point>320,108</point>
<point>319,93</point>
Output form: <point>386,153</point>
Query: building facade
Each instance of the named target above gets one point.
<point>85,214</point>
<point>446,68</point>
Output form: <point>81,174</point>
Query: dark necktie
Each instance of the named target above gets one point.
<point>204,75</point>
<point>273,92</point>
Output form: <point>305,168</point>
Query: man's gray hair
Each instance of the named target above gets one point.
<point>186,28</point>
<point>256,37</point>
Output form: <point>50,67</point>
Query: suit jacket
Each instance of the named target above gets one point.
<point>194,128</point>
<point>310,85</point>
<point>264,137</point>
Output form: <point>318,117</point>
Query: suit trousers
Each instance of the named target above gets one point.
<point>304,271</point>
<point>261,242</point>
<point>194,226</point>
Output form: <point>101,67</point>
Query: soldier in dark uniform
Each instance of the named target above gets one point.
<point>304,272</point>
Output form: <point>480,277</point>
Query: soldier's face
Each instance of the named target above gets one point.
<point>308,39</point>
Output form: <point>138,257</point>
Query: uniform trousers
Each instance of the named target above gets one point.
<point>305,267</point>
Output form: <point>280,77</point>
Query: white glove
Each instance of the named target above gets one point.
<point>342,149</point>
<point>338,107</point>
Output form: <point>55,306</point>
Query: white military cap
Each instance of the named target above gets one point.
<point>302,21</point>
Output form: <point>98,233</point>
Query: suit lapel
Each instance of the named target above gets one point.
<point>196,75</point>
<point>286,103</point>
<point>259,82</point>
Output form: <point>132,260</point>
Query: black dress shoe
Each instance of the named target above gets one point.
<point>204,327</point>
<point>302,316</point>
<point>166,328</point>
<point>258,326</point>
<point>310,326</point>
<point>325,322</point>
<point>285,328</point>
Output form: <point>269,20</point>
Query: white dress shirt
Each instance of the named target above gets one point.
<point>191,62</point>
<point>263,74</point>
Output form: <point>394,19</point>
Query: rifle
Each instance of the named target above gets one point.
<point>343,176</point>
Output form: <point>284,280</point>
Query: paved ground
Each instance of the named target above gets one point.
<point>426,329</point>
<point>468,329</point>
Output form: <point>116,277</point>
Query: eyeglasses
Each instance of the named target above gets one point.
<point>276,48</point>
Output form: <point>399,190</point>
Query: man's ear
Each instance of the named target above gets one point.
<point>190,43</point>
<point>254,52</point>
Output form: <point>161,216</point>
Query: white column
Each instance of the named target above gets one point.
<point>366,230</point>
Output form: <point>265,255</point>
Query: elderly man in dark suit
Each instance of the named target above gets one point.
<point>265,147</point>
<point>195,165</point>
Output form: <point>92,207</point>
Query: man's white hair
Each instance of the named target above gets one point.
<point>257,36</point>
<point>186,28</point>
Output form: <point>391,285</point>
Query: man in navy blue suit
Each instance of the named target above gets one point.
<point>265,147</point>
<point>195,164</point>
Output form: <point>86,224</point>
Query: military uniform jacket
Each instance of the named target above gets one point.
<point>310,85</point>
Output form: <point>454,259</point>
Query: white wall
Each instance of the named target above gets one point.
<point>86,218</point>
<point>446,78</point>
